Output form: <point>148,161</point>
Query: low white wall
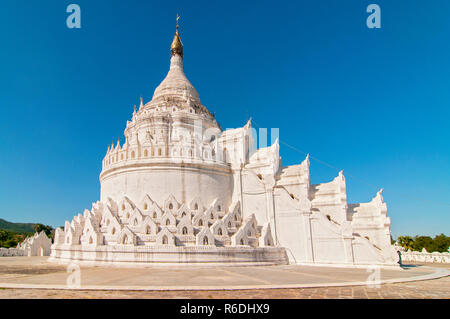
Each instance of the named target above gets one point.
<point>416,256</point>
<point>11,252</point>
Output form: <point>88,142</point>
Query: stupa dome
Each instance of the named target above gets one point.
<point>176,89</point>
<point>182,190</point>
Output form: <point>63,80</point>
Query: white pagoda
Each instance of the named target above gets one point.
<point>181,190</point>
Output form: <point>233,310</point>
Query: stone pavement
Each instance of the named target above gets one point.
<point>438,288</point>
<point>15,271</point>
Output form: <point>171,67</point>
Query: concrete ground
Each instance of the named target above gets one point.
<point>36,273</point>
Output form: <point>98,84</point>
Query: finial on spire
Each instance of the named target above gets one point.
<point>178,18</point>
<point>177,45</point>
<point>142,103</point>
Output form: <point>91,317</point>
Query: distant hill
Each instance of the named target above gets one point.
<point>17,227</point>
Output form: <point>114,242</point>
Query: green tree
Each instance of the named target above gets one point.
<point>10,243</point>
<point>406,242</point>
<point>441,243</point>
<point>4,235</point>
<point>421,242</point>
<point>47,229</point>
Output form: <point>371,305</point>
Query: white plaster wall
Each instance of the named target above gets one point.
<point>376,236</point>
<point>328,245</point>
<point>365,253</point>
<point>254,197</point>
<point>292,234</point>
<point>331,199</point>
<point>160,254</point>
<point>292,225</point>
<point>185,183</point>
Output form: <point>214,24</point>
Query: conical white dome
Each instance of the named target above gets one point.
<point>176,84</point>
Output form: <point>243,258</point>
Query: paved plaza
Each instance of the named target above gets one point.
<point>39,278</point>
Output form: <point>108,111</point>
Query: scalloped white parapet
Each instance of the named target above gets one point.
<point>147,224</point>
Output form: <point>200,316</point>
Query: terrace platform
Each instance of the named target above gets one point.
<point>39,273</point>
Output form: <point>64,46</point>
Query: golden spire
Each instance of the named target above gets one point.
<point>177,45</point>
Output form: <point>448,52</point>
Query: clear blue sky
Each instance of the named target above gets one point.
<point>372,102</point>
